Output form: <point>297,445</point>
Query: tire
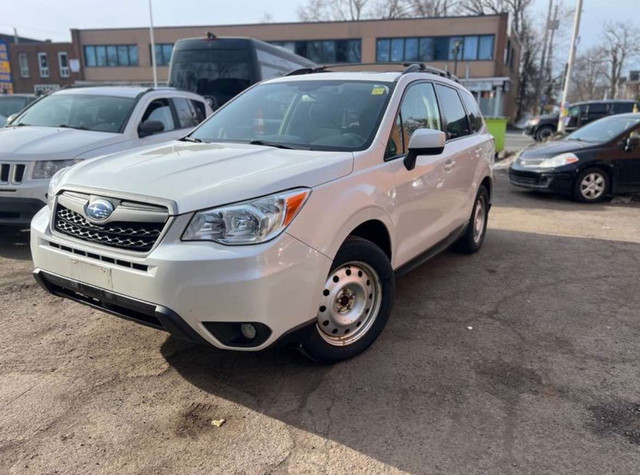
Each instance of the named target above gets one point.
<point>353,309</point>
<point>473,238</point>
<point>543,133</point>
<point>591,186</point>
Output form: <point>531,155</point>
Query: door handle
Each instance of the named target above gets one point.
<point>449,164</point>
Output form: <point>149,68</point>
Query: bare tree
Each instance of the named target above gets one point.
<point>322,10</point>
<point>589,76</point>
<point>519,9</point>
<point>621,44</point>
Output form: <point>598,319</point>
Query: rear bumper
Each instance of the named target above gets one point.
<point>550,181</point>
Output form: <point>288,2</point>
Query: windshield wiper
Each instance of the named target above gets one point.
<point>271,144</point>
<point>65,126</point>
<point>21,124</point>
<point>191,139</point>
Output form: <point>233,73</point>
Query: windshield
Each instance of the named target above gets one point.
<point>12,104</point>
<point>78,111</point>
<point>217,74</point>
<point>603,130</point>
<point>313,115</point>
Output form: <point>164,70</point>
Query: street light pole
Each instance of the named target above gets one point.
<point>153,47</point>
<point>567,79</point>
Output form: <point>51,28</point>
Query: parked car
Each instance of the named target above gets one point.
<point>12,104</point>
<point>600,159</point>
<point>579,115</point>
<point>284,217</point>
<point>74,124</point>
<point>218,68</point>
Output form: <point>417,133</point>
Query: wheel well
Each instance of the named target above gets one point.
<point>606,169</point>
<point>376,232</point>
<point>487,183</point>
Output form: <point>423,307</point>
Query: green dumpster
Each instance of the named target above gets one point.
<point>498,128</point>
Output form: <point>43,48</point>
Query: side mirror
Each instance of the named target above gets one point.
<point>424,142</point>
<point>631,143</point>
<point>150,127</point>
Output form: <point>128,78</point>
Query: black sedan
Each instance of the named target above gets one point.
<point>598,160</point>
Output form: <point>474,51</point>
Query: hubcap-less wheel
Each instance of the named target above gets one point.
<point>544,134</point>
<point>350,303</point>
<point>592,186</point>
<point>479,217</point>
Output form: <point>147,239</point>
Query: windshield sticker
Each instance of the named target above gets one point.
<point>379,90</point>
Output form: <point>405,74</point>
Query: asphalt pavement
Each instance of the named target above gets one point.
<point>522,358</point>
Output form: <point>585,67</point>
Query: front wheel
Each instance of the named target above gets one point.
<point>591,186</point>
<point>355,303</point>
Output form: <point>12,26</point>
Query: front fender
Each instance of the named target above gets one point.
<point>334,210</point>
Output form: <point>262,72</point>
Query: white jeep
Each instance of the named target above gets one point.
<point>283,218</point>
<point>79,123</point>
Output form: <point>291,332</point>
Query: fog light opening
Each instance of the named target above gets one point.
<point>248,331</point>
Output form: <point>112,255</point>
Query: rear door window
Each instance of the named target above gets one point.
<point>475,117</point>
<point>453,112</point>
<point>598,110</point>
<point>187,114</point>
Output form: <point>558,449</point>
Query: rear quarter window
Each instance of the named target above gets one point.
<point>622,107</point>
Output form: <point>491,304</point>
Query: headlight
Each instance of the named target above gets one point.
<point>49,168</point>
<point>535,121</point>
<point>249,222</point>
<point>54,183</point>
<point>558,161</point>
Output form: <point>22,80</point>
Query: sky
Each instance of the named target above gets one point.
<point>52,19</point>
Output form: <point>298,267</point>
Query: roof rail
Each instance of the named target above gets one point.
<point>423,68</point>
<point>301,71</point>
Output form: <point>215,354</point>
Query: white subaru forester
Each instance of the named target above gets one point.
<point>283,218</point>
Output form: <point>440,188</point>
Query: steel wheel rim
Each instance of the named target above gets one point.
<point>592,185</point>
<point>350,305</point>
<point>545,133</point>
<point>479,217</point>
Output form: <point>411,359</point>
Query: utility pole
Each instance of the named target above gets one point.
<point>555,24</point>
<point>16,38</point>
<point>542,58</point>
<point>572,54</point>
<point>153,47</point>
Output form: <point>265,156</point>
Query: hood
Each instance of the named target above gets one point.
<point>551,149</point>
<point>197,176</point>
<point>37,143</point>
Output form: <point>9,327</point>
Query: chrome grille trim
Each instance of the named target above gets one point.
<point>12,173</point>
<point>133,226</point>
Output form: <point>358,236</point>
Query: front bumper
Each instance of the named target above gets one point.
<point>542,180</point>
<point>18,211</point>
<point>274,285</point>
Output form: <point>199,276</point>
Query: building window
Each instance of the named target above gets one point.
<point>23,59</point>
<point>437,48</point>
<point>110,55</point>
<point>325,51</point>
<point>485,50</point>
<point>63,61</point>
<point>43,64</point>
<point>163,53</point>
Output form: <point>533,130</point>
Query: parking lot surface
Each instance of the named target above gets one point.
<point>520,359</point>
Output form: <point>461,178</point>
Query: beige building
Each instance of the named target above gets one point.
<point>478,49</point>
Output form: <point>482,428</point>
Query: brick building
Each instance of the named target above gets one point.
<point>43,66</point>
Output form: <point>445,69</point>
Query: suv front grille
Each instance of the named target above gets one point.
<point>132,236</point>
<point>12,173</point>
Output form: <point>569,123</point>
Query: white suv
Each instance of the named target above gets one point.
<point>283,218</point>
<point>80,123</point>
